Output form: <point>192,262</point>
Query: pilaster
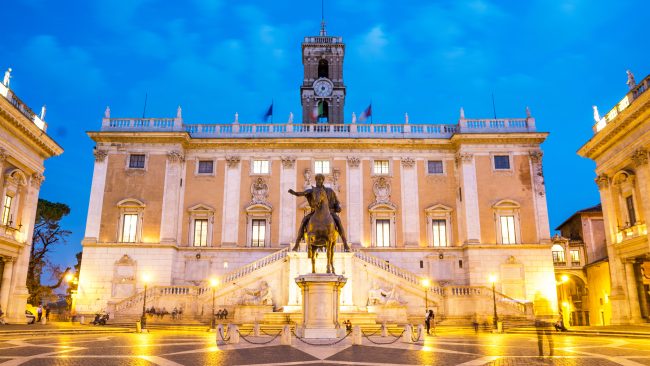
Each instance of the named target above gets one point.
<point>640,160</point>
<point>171,197</point>
<point>5,288</point>
<point>93,219</point>
<point>287,201</point>
<point>231,201</point>
<point>539,197</point>
<point>409,193</point>
<point>354,199</point>
<point>467,167</point>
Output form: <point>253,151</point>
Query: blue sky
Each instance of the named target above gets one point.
<point>427,58</point>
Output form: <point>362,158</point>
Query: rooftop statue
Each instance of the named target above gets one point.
<point>7,77</point>
<point>631,83</point>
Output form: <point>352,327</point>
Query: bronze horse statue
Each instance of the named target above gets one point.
<point>321,231</point>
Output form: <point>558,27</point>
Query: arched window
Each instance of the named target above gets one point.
<point>130,226</point>
<point>323,69</point>
<point>507,222</point>
<point>323,109</point>
<point>558,255</point>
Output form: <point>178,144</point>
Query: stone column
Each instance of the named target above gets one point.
<point>469,196</point>
<point>171,197</point>
<point>287,220</point>
<point>638,281</point>
<point>539,197</point>
<point>410,207</point>
<point>231,209</point>
<point>640,160</point>
<point>354,202</point>
<point>6,282</point>
<point>3,159</point>
<point>93,220</point>
<point>632,293</point>
<point>618,295</point>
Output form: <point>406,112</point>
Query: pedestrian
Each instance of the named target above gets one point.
<point>225,314</point>
<point>2,317</point>
<point>39,313</point>
<point>475,323</point>
<point>47,312</point>
<point>543,329</point>
<point>219,314</point>
<point>427,322</point>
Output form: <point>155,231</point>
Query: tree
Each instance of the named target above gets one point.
<point>47,235</point>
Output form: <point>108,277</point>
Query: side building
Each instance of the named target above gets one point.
<point>24,146</point>
<point>431,211</point>
<point>619,147</point>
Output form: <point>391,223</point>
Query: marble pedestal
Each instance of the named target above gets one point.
<point>320,306</point>
<point>251,313</point>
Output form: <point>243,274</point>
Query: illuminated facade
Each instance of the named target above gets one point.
<point>452,203</point>
<point>24,146</point>
<point>620,149</point>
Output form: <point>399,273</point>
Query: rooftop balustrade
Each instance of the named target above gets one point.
<point>298,130</point>
<point>629,98</point>
<point>22,107</point>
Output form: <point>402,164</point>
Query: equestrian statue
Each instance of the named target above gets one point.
<point>322,225</point>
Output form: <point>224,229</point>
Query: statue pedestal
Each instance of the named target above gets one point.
<point>390,313</point>
<point>320,305</point>
<point>251,313</point>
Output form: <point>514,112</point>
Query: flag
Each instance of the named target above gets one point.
<point>317,112</point>
<point>367,113</point>
<point>269,113</point>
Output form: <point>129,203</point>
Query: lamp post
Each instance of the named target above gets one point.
<point>562,298</point>
<point>213,283</point>
<point>493,280</point>
<point>143,319</point>
<point>426,284</point>
<point>72,283</point>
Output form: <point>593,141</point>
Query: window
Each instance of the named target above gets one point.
<point>260,167</point>
<point>206,166</point>
<point>259,233</point>
<point>6,210</point>
<point>434,167</point>
<point>575,257</point>
<point>508,229</point>
<point>501,162</point>
<point>136,161</point>
<point>629,202</point>
<point>439,231</point>
<point>322,167</point>
<point>558,255</point>
<point>381,167</point>
<point>200,233</point>
<point>323,69</point>
<point>383,232</point>
<point>129,228</point>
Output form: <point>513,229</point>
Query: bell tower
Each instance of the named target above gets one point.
<point>322,91</point>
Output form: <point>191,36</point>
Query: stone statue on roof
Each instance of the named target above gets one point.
<point>631,83</point>
<point>7,77</point>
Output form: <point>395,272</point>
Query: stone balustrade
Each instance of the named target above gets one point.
<point>630,97</point>
<point>262,262</point>
<point>22,107</point>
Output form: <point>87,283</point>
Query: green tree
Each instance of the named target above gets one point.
<point>47,235</point>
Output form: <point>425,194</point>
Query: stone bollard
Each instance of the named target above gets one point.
<point>406,336</point>
<point>256,329</point>
<point>384,330</point>
<point>233,331</point>
<point>43,320</point>
<point>420,332</point>
<point>285,337</point>
<point>220,334</point>
<point>357,338</point>
<point>82,320</point>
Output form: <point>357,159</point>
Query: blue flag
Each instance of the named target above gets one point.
<point>269,113</point>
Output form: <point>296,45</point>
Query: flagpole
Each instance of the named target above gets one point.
<point>371,112</point>
<point>272,111</point>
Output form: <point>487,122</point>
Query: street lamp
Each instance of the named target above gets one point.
<point>213,283</point>
<point>493,280</point>
<point>426,284</point>
<point>143,319</point>
<point>72,283</point>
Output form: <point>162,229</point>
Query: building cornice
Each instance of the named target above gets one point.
<point>20,125</point>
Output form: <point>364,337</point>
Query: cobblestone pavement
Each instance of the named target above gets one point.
<point>168,348</point>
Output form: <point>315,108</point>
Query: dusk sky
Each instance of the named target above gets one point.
<point>427,58</point>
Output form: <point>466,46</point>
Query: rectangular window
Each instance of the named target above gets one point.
<point>6,210</point>
<point>206,166</point>
<point>383,233</point>
<point>136,161</point>
<point>630,210</point>
<point>129,228</point>
<point>200,233</point>
<point>507,230</point>
<point>558,257</point>
<point>322,167</point>
<point>259,233</point>
<point>381,167</point>
<point>439,230</point>
<point>260,167</point>
<point>434,167</point>
<point>502,162</point>
<point>575,257</point>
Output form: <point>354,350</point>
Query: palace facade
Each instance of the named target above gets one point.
<point>24,145</point>
<point>432,212</point>
<point>619,147</point>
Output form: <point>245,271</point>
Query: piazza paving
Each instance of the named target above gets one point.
<point>172,348</point>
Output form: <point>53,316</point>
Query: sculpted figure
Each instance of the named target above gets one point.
<point>258,296</point>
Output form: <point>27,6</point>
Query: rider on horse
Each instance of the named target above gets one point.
<point>334,208</point>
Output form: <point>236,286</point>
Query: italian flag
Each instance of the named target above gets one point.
<point>317,112</point>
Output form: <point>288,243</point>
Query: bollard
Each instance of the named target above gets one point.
<point>285,337</point>
<point>256,329</point>
<point>233,330</point>
<point>220,335</point>
<point>420,332</point>
<point>138,326</point>
<point>44,320</point>
<point>82,320</point>
<point>357,339</point>
<point>384,330</point>
<point>406,336</point>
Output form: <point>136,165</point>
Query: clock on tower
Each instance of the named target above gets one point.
<point>322,91</point>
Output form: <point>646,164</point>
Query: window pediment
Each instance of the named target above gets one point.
<point>438,208</point>
<point>382,207</point>
<point>260,208</point>
<point>131,202</point>
<point>506,204</point>
<point>200,208</point>
<point>16,176</point>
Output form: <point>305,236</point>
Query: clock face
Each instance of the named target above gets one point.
<point>323,87</point>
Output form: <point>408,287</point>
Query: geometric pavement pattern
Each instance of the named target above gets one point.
<point>170,348</point>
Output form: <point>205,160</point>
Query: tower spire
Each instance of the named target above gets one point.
<point>323,32</point>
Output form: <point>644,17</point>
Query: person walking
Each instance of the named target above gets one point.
<point>39,313</point>
<point>427,322</point>
<point>47,312</point>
